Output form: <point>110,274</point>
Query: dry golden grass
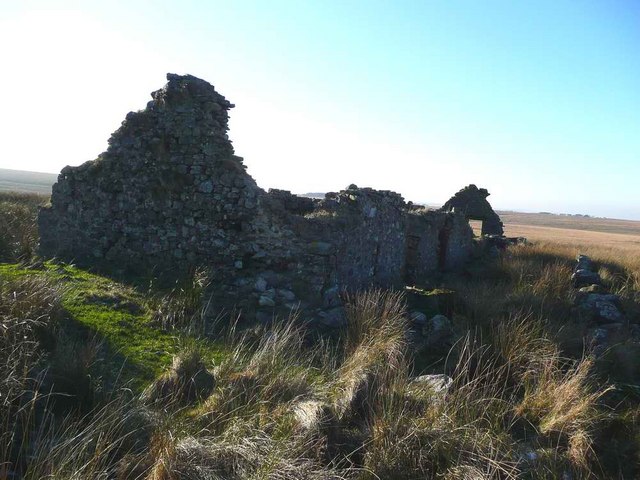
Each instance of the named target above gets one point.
<point>605,239</point>
<point>617,253</point>
<point>577,238</point>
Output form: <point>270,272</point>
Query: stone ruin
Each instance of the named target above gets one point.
<point>472,202</point>
<point>169,195</point>
<point>599,310</point>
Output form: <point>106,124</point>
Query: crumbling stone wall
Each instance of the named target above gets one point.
<point>290,202</point>
<point>368,232</point>
<point>169,194</point>
<point>354,239</point>
<point>472,201</point>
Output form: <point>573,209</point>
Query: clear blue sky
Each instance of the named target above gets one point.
<point>537,101</point>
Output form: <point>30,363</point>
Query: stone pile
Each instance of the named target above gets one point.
<point>430,332</point>
<point>595,306</point>
<point>584,274</point>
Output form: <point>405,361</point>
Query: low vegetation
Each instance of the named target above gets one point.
<point>18,225</point>
<point>108,379</point>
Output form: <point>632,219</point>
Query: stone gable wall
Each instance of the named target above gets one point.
<point>168,191</point>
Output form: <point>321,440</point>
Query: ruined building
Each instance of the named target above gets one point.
<point>169,194</point>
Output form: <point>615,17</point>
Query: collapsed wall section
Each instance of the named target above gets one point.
<point>348,241</point>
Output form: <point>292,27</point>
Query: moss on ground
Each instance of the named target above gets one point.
<point>136,350</point>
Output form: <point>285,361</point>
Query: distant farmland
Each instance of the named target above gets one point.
<point>623,235</point>
<point>21,181</point>
<point>572,222</point>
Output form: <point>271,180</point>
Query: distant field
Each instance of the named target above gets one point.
<point>570,236</point>
<point>21,181</point>
<point>615,234</point>
<point>606,225</point>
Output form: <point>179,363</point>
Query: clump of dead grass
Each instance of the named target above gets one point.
<point>187,381</point>
<point>374,350</point>
<point>264,371</point>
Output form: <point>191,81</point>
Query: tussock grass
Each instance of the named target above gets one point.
<point>374,351</point>
<point>181,308</point>
<point>282,410</point>
<point>187,381</point>
<point>264,371</point>
<point>90,446</point>
<point>557,400</point>
<point>239,455</point>
<point>563,408</point>
<point>29,311</point>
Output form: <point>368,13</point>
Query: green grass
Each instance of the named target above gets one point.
<point>137,349</point>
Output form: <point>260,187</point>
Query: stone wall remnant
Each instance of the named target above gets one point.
<point>596,307</point>
<point>169,194</point>
<point>472,201</point>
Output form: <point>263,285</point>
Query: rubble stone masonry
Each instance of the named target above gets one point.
<point>169,194</point>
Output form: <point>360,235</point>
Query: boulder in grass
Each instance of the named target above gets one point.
<point>439,383</point>
<point>601,338</point>
<point>585,278</point>
<point>593,289</point>
<point>418,318</point>
<point>313,415</point>
<point>584,263</point>
<point>599,308</point>
<point>333,318</point>
<point>437,330</point>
